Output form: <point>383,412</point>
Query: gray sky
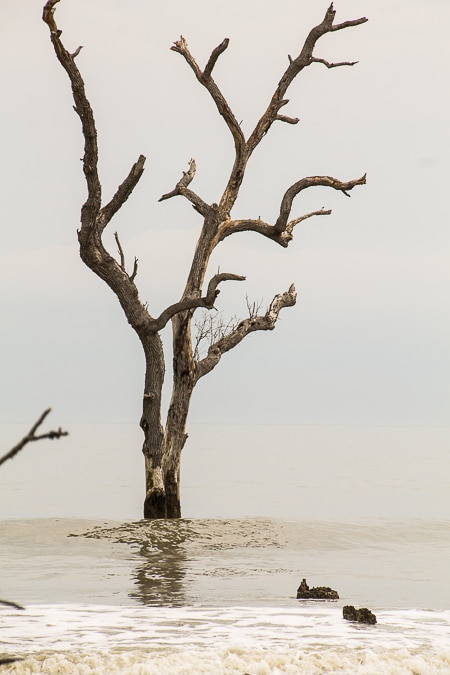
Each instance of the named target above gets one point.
<point>368,340</point>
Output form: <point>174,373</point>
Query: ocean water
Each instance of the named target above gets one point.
<point>366,511</point>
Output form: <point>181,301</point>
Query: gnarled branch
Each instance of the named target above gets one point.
<point>193,303</point>
<point>94,217</point>
<point>204,77</point>
<point>311,181</point>
<point>296,65</point>
<point>225,111</point>
<point>91,211</point>
<point>31,436</point>
<point>83,110</point>
<point>181,188</point>
<point>265,321</point>
<point>260,227</point>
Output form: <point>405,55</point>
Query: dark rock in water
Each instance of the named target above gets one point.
<point>362,615</point>
<point>304,592</point>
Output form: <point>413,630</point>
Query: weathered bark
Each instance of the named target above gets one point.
<point>163,442</point>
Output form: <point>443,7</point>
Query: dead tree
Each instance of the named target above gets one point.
<point>163,442</point>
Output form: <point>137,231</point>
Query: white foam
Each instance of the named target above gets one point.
<point>257,661</point>
<point>145,640</point>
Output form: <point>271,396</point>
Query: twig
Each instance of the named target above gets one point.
<point>119,246</point>
<point>31,436</point>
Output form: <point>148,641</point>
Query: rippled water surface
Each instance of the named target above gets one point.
<point>218,594</point>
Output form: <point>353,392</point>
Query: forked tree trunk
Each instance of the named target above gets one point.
<point>162,472</point>
<point>162,447</point>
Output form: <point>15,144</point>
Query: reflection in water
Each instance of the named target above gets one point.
<point>179,559</point>
<point>159,577</point>
<point>259,561</point>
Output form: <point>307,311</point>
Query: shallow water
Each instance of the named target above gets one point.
<point>194,595</point>
<point>366,512</point>
<point>253,561</point>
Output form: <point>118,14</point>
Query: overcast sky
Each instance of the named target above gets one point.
<point>367,343</point>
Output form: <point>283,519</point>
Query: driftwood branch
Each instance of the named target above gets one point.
<point>265,321</point>
<point>32,436</point>
<point>186,304</point>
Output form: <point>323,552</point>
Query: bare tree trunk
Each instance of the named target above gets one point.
<point>153,447</point>
<point>162,451</point>
<point>162,446</point>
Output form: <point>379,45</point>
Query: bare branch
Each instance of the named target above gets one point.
<point>123,192</point>
<point>260,227</point>
<point>135,269</point>
<point>76,52</point>
<point>213,58</point>
<point>84,111</point>
<point>288,120</point>
<point>296,65</point>
<point>210,328</point>
<point>185,180</point>
<point>91,210</point>
<point>207,81</point>
<point>119,246</point>
<point>333,65</point>
<point>122,259</point>
<point>311,181</point>
<point>266,321</point>
<point>181,188</point>
<point>253,307</point>
<point>94,218</point>
<point>287,234</point>
<point>31,435</point>
<point>348,24</point>
<point>193,303</point>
